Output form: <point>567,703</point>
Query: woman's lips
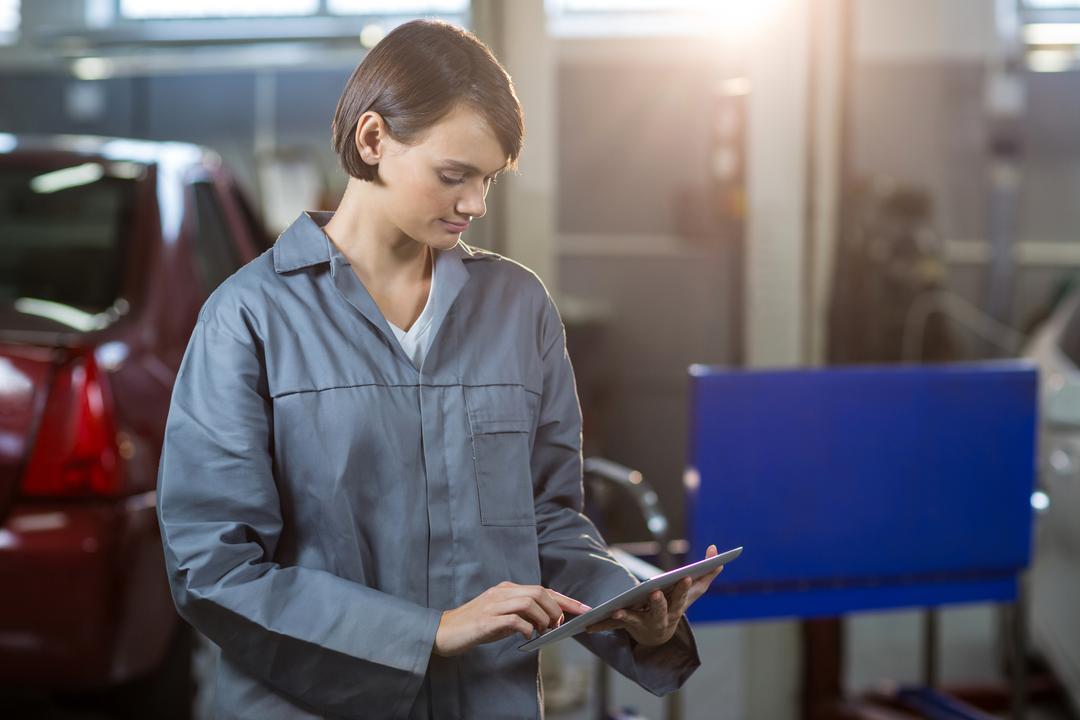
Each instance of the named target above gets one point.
<point>455,227</point>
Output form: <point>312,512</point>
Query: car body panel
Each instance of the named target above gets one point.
<point>84,601</point>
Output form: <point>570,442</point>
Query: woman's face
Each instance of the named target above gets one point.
<point>433,188</point>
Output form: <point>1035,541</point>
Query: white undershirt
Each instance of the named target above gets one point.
<point>416,341</point>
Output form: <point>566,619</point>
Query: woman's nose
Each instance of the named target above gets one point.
<point>472,203</point>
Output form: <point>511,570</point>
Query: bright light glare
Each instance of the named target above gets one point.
<point>371,34</point>
<point>735,87</point>
<point>399,7</point>
<point>92,68</point>
<point>126,170</point>
<point>68,177</point>
<point>1052,4</point>
<point>111,355</point>
<point>623,6</point>
<point>740,16</point>
<point>9,16</point>
<point>1050,60</point>
<point>8,540</point>
<point>63,314</point>
<point>14,384</point>
<point>39,522</point>
<point>1052,34</point>
<point>734,18</point>
<point>1039,500</point>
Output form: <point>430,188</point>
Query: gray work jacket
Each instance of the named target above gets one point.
<point>322,500</point>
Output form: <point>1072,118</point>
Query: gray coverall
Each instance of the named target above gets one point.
<point>322,501</point>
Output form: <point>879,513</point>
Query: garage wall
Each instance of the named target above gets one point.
<point>161,108</point>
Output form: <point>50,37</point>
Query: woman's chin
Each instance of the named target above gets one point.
<point>445,240</point>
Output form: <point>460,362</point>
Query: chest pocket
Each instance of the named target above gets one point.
<point>500,423</point>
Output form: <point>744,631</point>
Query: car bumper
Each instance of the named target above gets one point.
<point>84,599</point>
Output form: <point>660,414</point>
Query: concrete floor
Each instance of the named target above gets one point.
<point>880,647</point>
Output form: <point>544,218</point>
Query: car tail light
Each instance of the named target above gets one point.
<point>75,451</point>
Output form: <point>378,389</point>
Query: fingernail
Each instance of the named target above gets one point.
<point>587,607</point>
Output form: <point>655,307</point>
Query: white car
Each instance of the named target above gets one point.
<point>1055,575</point>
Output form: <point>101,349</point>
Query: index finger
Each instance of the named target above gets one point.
<point>567,603</point>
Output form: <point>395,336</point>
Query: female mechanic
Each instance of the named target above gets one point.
<point>371,484</point>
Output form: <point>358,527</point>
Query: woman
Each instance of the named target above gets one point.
<point>371,478</point>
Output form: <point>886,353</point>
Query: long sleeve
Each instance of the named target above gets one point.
<point>574,559</point>
<point>328,644</point>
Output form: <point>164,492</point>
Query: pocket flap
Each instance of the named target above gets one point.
<point>498,409</point>
<point>501,425</point>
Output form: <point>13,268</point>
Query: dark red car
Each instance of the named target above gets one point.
<point>108,248</point>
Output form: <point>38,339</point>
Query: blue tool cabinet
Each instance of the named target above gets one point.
<point>861,488</point>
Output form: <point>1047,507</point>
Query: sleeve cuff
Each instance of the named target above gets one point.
<point>662,669</point>
<point>424,648</point>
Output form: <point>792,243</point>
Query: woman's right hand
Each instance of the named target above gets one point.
<point>501,611</point>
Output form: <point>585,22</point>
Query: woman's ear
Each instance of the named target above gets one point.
<point>370,137</point>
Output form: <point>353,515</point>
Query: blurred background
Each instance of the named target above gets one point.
<point>730,183</point>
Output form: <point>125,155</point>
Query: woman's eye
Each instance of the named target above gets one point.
<point>447,180</point>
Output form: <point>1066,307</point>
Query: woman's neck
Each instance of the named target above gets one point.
<point>379,253</point>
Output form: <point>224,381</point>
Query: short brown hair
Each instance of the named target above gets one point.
<point>416,75</point>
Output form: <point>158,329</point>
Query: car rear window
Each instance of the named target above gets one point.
<point>63,234</point>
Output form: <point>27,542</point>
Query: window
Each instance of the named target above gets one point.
<point>329,25</point>
<point>63,234</point>
<point>587,18</point>
<point>195,9</point>
<point>400,7</point>
<point>9,21</point>
<point>1051,34</point>
<point>215,248</point>
<point>167,9</point>
<point>629,6</point>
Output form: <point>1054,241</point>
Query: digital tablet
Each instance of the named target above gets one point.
<point>632,596</point>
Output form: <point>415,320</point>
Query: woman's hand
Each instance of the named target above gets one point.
<point>501,611</point>
<point>655,624</point>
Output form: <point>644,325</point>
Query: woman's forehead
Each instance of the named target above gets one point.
<point>465,139</point>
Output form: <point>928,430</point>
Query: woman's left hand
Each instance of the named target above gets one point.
<point>655,624</point>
